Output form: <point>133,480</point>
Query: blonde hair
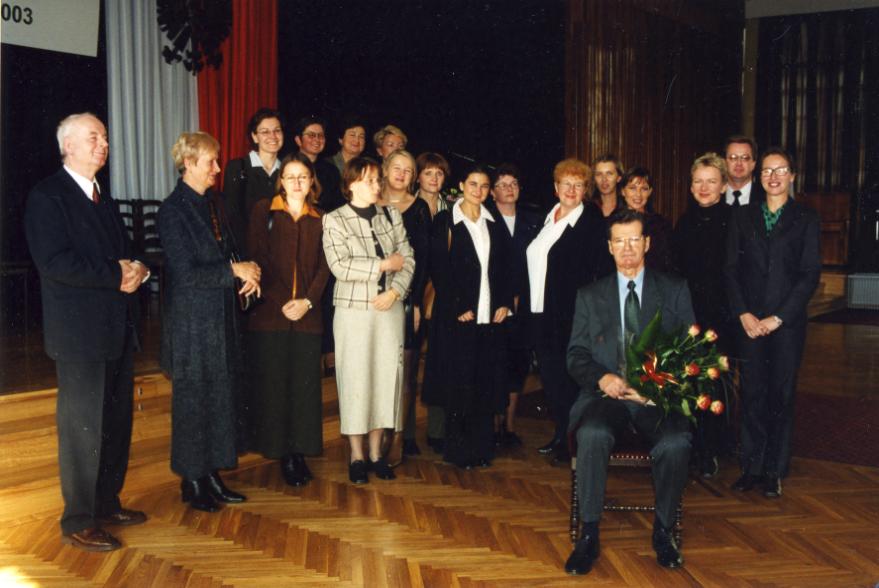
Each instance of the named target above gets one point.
<point>386,164</point>
<point>711,159</point>
<point>190,146</point>
<point>379,136</point>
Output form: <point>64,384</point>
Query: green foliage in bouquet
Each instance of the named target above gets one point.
<point>680,371</point>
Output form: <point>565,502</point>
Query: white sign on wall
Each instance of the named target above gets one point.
<point>69,26</point>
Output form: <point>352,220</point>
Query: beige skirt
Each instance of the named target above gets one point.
<point>369,368</point>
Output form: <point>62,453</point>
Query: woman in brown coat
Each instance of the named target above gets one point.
<point>285,331</point>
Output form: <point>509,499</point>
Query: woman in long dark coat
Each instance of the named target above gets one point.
<point>699,249</point>
<point>772,269</point>
<point>284,332</point>
<point>200,335</point>
<point>470,269</point>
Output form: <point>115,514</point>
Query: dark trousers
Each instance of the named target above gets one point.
<point>561,390</point>
<point>769,382</point>
<point>602,421</point>
<point>94,413</point>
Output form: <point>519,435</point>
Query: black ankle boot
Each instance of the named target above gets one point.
<point>197,494</point>
<point>299,460</point>
<point>219,491</point>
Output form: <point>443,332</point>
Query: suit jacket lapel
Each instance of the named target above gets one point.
<point>651,299</point>
<point>611,306</point>
<point>81,206</point>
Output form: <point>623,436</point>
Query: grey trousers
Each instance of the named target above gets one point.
<point>670,442</point>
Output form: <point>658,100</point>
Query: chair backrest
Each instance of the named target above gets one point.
<point>145,236</point>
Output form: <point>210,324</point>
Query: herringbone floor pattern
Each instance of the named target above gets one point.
<point>433,526</point>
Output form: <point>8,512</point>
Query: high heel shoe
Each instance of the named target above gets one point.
<point>219,491</point>
<point>196,493</point>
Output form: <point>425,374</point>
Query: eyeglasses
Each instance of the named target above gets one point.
<point>743,158</point>
<point>506,185</point>
<point>297,179</point>
<point>621,242</point>
<point>313,135</point>
<point>779,172</point>
<point>269,132</point>
<point>578,186</point>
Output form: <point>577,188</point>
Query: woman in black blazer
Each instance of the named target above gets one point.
<point>772,269</point>
<point>469,266</point>
<point>699,249</point>
<point>636,187</point>
<point>566,254</point>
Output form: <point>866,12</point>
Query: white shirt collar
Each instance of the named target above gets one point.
<point>571,218</point>
<point>458,215</point>
<point>83,182</point>
<point>255,161</point>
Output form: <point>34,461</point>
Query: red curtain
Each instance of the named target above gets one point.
<point>246,80</point>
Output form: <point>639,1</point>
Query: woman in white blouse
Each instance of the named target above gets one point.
<point>565,255</point>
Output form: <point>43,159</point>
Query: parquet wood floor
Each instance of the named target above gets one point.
<point>433,526</point>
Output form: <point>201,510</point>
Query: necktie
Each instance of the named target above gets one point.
<point>96,196</point>
<point>736,194</point>
<point>631,310</point>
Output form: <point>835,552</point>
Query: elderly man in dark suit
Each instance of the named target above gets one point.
<point>608,315</point>
<point>82,252</point>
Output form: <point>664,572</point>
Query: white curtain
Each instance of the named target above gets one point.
<point>151,102</point>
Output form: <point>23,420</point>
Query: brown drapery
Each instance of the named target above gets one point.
<point>657,82</point>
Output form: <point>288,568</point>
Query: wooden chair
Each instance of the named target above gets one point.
<point>630,451</point>
<point>148,246</point>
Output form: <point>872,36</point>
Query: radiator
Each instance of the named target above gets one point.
<point>863,291</point>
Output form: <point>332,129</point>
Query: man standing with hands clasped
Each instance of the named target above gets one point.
<point>82,252</point>
<point>610,314</point>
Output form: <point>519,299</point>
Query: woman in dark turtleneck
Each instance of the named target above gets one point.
<point>699,250</point>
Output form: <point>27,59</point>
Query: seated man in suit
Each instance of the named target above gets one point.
<point>608,315</point>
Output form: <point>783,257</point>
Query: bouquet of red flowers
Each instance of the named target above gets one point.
<point>679,372</point>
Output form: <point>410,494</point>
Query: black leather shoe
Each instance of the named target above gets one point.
<point>745,482</point>
<point>410,447</point>
<point>382,470</point>
<point>220,492</point>
<point>549,447</point>
<point>299,462</point>
<point>197,494</point>
<point>92,539</point>
<point>561,456</point>
<point>292,471</point>
<point>481,463</point>
<point>667,553</point>
<point>357,472</point>
<point>122,517</point>
<point>772,487</point>
<point>709,467</point>
<point>586,551</point>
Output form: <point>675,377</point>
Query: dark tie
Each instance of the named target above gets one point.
<point>736,195</point>
<point>631,310</point>
<point>96,196</point>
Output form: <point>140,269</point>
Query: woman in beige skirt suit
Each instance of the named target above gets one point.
<point>369,254</point>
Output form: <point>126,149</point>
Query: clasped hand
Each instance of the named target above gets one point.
<point>133,275</point>
<point>295,309</point>
<point>499,315</point>
<point>615,387</point>
<point>755,327</point>
<point>249,273</point>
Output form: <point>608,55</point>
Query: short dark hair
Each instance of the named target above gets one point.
<point>741,139</point>
<point>624,216</point>
<point>306,121</point>
<point>302,158</point>
<point>355,170</point>
<point>259,116</point>
<point>506,169</point>
<point>430,159</point>
<point>781,151</point>
<point>349,122</point>
<point>636,172</point>
<point>476,168</point>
